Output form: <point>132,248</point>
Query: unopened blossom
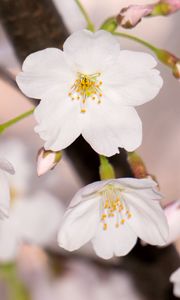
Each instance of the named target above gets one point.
<point>113,214</point>
<point>172,212</point>
<point>47,160</point>
<point>170,60</point>
<point>165,7</point>
<point>90,88</point>
<point>5,167</point>
<point>130,16</point>
<point>175,279</point>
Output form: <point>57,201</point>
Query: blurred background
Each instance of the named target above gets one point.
<point>32,266</point>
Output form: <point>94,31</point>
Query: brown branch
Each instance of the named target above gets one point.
<point>32,25</point>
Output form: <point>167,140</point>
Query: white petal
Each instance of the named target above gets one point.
<point>114,241</point>
<point>135,183</point>
<point>9,240</point>
<point>172,212</point>
<point>4,196</point>
<point>92,52</point>
<point>37,218</point>
<point>60,123</point>
<point>112,127</point>
<point>87,191</point>
<point>148,219</point>
<point>6,166</point>
<point>132,81</point>
<point>43,72</point>
<point>175,278</point>
<point>79,225</point>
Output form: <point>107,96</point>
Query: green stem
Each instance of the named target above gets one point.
<point>90,24</point>
<point>106,170</point>
<point>15,120</point>
<point>137,39</point>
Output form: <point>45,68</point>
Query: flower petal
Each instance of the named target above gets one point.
<point>43,72</point>
<point>122,128</point>
<point>9,240</point>
<point>87,191</point>
<point>175,278</point>
<point>148,219</point>
<point>6,166</point>
<point>114,241</point>
<point>59,123</point>
<point>4,196</point>
<point>135,183</point>
<point>79,225</point>
<point>91,52</point>
<point>37,218</point>
<point>132,80</point>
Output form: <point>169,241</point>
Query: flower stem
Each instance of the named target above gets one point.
<point>106,170</point>
<point>15,120</point>
<point>90,24</point>
<point>138,40</point>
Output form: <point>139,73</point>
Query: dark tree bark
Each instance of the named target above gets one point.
<point>33,25</point>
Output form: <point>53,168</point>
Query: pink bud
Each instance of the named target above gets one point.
<point>165,7</point>
<point>172,212</point>
<point>130,16</point>
<point>47,160</point>
<point>173,5</point>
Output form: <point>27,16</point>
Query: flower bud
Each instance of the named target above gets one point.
<point>130,16</point>
<point>165,7</point>
<point>137,165</point>
<point>110,24</point>
<point>172,212</point>
<point>47,160</point>
<point>170,60</point>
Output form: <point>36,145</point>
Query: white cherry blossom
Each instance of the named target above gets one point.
<point>90,88</point>
<point>113,214</point>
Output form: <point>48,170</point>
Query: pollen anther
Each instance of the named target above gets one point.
<point>86,87</point>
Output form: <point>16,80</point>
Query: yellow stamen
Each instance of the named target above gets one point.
<point>86,87</point>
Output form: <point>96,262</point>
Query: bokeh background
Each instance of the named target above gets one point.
<point>26,268</point>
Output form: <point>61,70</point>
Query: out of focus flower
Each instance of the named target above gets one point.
<point>19,183</point>
<point>82,280</point>
<point>165,7</point>
<point>130,16</point>
<point>87,81</point>
<point>5,167</point>
<point>172,212</point>
<point>112,214</point>
<point>47,160</point>
<point>33,220</point>
<point>175,279</point>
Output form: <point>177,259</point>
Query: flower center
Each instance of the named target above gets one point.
<point>113,206</point>
<point>86,87</point>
